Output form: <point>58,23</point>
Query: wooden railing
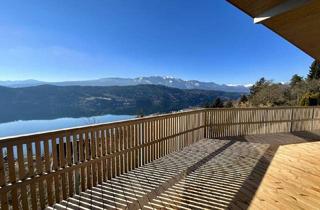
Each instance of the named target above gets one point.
<point>248,121</point>
<point>42,169</point>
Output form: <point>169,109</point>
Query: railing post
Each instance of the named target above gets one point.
<point>312,120</point>
<point>238,122</point>
<point>291,120</point>
<point>205,124</point>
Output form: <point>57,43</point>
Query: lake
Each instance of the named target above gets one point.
<point>32,126</point>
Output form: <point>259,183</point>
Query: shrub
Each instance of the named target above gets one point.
<point>310,99</point>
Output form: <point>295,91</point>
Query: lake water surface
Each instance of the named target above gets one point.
<point>32,126</point>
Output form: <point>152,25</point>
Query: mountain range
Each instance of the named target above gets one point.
<point>50,101</point>
<point>152,80</point>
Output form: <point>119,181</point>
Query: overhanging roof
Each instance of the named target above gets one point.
<point>298,21</point>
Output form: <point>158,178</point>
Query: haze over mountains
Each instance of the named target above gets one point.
<point>152,80</point>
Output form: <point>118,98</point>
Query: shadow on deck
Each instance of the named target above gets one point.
<point>214,174</point>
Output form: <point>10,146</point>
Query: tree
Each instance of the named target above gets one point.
<point>228,104</point>
<point>258,86</point>
<point>243,99</point>
<point>296,79</point>
<point>207,105</point>
<point>270,95</point>
<point>314,72</point>
<point>300,91</point>
<point>217,103</point>
<point>310,99</point>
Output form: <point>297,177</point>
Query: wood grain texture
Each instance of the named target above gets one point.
<point>300,26</point>
<point>218,174</point>
<point>292,180</point>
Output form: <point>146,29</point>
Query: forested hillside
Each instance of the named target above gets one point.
<point>47,101</point>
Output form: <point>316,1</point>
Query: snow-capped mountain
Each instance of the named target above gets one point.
<point>154,80</point>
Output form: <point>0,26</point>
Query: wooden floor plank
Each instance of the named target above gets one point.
<point>292,179</point>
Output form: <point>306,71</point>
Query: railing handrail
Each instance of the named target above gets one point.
<point>44,134</point>
<point>264,108</point>
<point>9,139</point>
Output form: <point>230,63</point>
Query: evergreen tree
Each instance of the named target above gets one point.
<point>258,86</point>
<point>314,72</point>
<point>228,104</point>
<point>207,105</point>
<point>217,103</point>
<point>296,79</point>
<point>243,99</point>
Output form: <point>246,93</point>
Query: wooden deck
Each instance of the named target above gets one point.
<point>274,171</point>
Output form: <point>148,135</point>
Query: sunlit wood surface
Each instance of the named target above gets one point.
<point>292,180</point>
<point>274,171</point>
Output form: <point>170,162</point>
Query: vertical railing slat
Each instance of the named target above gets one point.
<point>22,176</point>
<point>47,170</point>
<point>69,157</point>
<point>39,166</point>
<point>104,153</point>
<point>12,176</point>
<point>99,154</point>
<point>31,174</point>
<point>62,164</point>
<point>109,149</point>
<point>82,156</point>
<point>4,196</point>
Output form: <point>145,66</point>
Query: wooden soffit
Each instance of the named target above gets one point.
<point>298,21</point>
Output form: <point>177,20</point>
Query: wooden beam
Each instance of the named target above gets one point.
<point>280,9</point>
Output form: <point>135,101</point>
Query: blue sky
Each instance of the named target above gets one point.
<point>208,40</point>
